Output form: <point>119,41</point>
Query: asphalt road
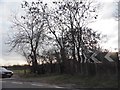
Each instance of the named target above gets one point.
<point>8,83</point>
<point>13,83</point>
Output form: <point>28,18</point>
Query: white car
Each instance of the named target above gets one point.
<point>4,73</point>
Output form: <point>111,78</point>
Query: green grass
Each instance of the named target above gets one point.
<point>103,81</point>
<point>21,72</point>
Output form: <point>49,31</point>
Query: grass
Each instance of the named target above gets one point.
<point>20,73</point>
<point>103,81</point>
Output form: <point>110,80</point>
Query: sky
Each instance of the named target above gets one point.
<point>106,24</point>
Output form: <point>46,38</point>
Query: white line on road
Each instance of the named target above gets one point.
<point>17,82</point>
<point>57,87</point>
<point>36,85</point>
<point>46,85</point>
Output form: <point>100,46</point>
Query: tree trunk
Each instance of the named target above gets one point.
<point>73,52</point>
<point>79,59</point>
<point>34,63</point>
<point>63,59</point>
<point>51,66</point>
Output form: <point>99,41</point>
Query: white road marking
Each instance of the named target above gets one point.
<point>37,85</point>
<point>46,85</point>
<point>17,82</point>
<point>57,86</point>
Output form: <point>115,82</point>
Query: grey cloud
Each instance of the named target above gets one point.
<point>108,10</point>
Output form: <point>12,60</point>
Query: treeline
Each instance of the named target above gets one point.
<point>88,69</point>
<point>57,38</point>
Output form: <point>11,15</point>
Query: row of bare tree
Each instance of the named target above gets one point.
<point>57,34</point>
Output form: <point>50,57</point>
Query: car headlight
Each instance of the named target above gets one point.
<point>12,72</point>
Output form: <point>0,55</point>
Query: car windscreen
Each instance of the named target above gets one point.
<point>3,69</point>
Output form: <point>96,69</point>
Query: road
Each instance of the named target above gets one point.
<point>13,83</point>
<point>8,83</point>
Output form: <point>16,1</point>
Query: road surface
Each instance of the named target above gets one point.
<point>13,83</point>
<point>8,83</point>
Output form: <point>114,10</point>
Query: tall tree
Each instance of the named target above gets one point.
<point>29,31</point>
<point>68,23</point>
<point>65,25</point>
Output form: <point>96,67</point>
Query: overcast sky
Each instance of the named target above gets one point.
<point>106,24</point>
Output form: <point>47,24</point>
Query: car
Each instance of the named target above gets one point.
<point>5,73</point>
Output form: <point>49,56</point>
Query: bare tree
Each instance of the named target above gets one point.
<point>29,31</point>
<point>68,23</point>
<point>64,26</point>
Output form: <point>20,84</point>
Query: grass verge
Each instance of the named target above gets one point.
<point>98,81</point>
